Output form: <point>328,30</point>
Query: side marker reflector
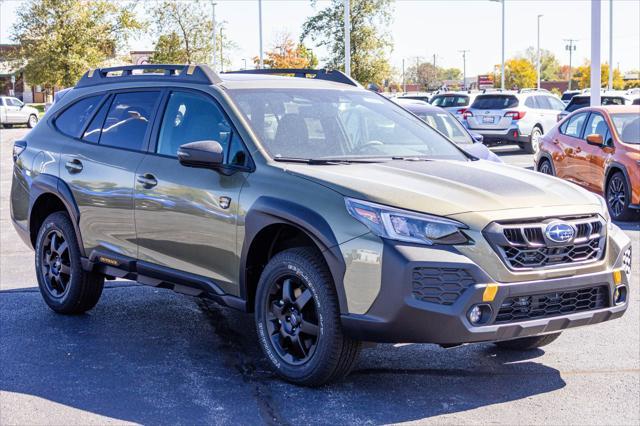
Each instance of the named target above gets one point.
<point>490,292</point>
<point>617,277</point>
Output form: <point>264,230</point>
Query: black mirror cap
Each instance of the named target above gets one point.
<point>207,154</point>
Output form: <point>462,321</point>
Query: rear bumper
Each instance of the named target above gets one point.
<point>397,315</point>
<point>512,134</point>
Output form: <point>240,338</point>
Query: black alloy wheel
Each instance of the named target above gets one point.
<point>56,264</point>
<point>545,168</point>
<point>618,197</point>
<point>292,320</point>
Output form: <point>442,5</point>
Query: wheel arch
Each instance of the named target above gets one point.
<point>546,156</point>
<point>273,225</point>
<point>613,167</point>
<point>50,194</point>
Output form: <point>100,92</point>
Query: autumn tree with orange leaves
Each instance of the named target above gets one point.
<point>286,53</point>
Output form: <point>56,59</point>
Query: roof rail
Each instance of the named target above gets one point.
<point>190,73</point>
<point>532,89</point>
<point>321,74</point>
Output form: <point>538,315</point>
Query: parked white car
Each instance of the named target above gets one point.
<point>14,111</point>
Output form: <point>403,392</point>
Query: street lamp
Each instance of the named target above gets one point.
<point>571,47</point>
<point>502,61</point>
<point>610,44</point>
<point>260,31</point>
<point>538,54</point>
<point>245,63</point>
<point>347,38</point>
<point>213,31</point>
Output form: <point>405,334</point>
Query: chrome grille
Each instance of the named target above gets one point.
<point>524,245</point>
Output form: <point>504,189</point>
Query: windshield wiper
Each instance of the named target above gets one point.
<point>322,161</point>
<point>412,158</point>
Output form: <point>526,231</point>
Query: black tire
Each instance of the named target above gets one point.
<point>33,120</point>
<point>533,144</point>
<point>618,197</point>
<point>64,285</point>
<point>527,343</point>
<point>326,356</point>
<point>545,167</point>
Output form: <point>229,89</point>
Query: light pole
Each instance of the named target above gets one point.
<point>464,69</point>
<point>260,32</point>
<point>347,37</point>
<point>538,54</point>
<point>610,45</point>
<point>213,30</point>
<point>571,47</point>
<point>596,82</point>
<point>502,59</point>
<point>404,81</point>
<point>245,63</point>
<point>221,58</point>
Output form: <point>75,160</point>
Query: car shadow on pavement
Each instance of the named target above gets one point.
<point>146,355</point>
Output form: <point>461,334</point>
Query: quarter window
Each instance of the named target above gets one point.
<point>191,117</point>
<point>73,119</point>
<point>574,125</point>
<point>128,119</point>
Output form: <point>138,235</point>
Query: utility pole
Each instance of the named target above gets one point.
<point>221,60</point>
<point>404,81</point>
<point>502,75</point>
<point>596,82</point>
<point>571,47</point>
<point>538,54</point>
<point>347,38</point>
<point>610,85</point>
<point>464,68</point>
<point>245,63</point>
<point>213,30</point>
<point>260,33</point>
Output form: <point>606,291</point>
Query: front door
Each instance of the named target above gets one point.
<point>100,169</point>
<point>15,113</point>
<point>186,217</point>
<point>570,141</point>
<point>591,160</point>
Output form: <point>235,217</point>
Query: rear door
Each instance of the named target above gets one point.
<point>100,161</point>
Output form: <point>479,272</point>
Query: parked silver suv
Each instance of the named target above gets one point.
<point>513,116</point>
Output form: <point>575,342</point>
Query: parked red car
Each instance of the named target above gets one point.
<point>598,148</point>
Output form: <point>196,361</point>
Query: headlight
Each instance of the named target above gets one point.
<point>402,225</point>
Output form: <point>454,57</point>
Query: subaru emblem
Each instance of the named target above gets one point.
<point>559,232</point>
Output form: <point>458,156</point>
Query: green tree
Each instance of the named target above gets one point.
<point>61,39</point>
<point>370,42</point>
<point>449,74</point>
<point>550,68</point>
<point>184,34</point>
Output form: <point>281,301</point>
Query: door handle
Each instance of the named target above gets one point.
<point>74,166</point>
<point>578,149</point>
<point>147,180</point>
<point>556,141</point>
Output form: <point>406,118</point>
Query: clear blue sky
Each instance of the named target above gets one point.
<point>424,27</point>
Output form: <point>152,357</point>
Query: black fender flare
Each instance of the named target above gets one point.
<point>268,211</point>
<point>49,184</point>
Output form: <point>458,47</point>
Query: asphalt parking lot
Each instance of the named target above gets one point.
<point>147,355</point>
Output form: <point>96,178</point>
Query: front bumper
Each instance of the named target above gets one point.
<point>398,316</point>
<point>512,134</point>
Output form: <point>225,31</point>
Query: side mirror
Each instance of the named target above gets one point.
<point>201,154</point>
<point>477,137</point>
<point>595,139</point>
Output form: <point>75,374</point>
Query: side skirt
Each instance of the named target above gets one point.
<point>116,265</point>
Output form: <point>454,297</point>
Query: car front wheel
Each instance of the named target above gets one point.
<point>298,320</point>
<point>618,197</point>
<point>545,167</point>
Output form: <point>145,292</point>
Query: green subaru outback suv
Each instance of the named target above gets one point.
<point>332,214</point>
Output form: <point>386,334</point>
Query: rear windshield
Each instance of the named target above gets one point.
<point>567,96</point>
<point>445,101</point>
<point>578,102</point>
<point>627,126</point>
<point>495,102</point>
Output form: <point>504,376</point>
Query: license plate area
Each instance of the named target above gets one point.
<point>489,119</point>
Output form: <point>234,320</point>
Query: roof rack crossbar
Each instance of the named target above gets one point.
<point>190,73</point>
<point>321,74</point>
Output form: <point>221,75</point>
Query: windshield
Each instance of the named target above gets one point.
<point>567,96</point>
<point>578,102</point>
<point>495,102</point>
<point>322,124</point>
<point>627,126</point>
<point>447,125</point>
<point>446,101</point>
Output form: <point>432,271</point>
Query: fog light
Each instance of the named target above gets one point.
<point>620,295</point>
<point>479,314</point>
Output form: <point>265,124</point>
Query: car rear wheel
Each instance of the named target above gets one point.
<point>527,343</point>
<point>64,285</point>
<point>544,166</point>
<point>533,145</point>
<point>618,197</point>
<point>33,120</point>
<point>298,320</point>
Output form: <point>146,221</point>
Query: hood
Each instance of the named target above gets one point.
<point>446,187</point>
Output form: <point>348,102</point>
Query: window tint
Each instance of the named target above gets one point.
<point>578,102</point>
<point>128,119</point>
<point>73,119</point>
<point>92,133</point>
<point>574,125</point>
<point>555,103</point>
<point>446,101</point>
<point>191,117</point>
<point>495,102</point>
<point>530,102</point>
<point>597,125</point>
<point>237,153</point>
<point>543,102</point>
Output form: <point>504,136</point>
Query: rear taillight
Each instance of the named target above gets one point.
<point>466,114</point>
<point>461,111</point>
<point>515,115</point>
<point>18,148</point>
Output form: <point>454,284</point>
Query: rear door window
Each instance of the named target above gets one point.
<point>128,120</point>
<point>447,101</point>
<point>573,126</point>
<point>495,102</point>
<point>543,102</point>
<point>74,118</point>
